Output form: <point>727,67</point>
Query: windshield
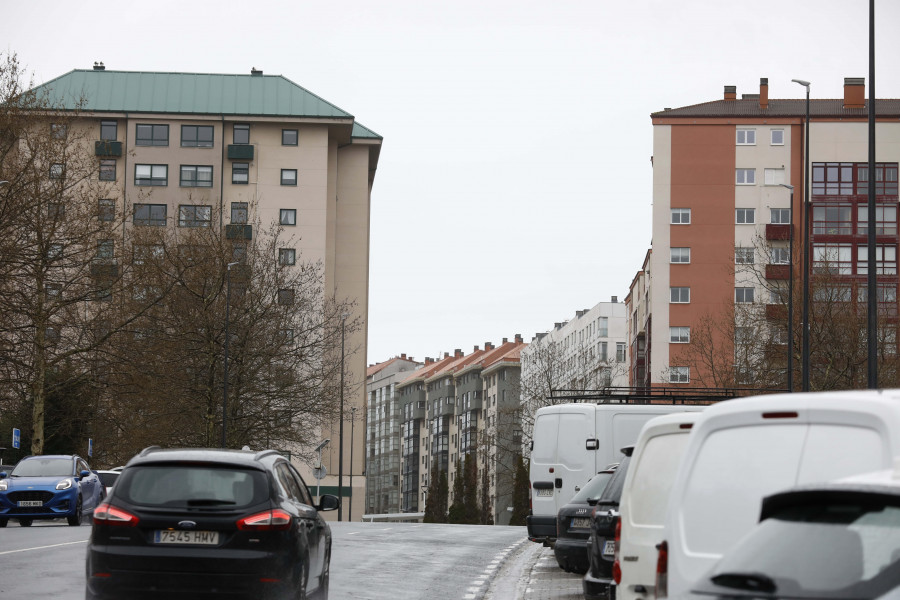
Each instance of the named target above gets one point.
<point>613,490</point>
<point>833,550</point>
<point>180,486</point>
<point>43,467</point>
<point>108,479</point>
<point>593,488</point>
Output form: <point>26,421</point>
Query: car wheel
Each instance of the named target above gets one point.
<point>3,522</point>
<point>75,519</point>
<point>25,522</point>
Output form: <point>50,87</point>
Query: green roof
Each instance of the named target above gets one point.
<point>190,93</point>
<point>359,131</point>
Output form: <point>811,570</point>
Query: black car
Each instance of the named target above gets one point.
<point>200,523</point>
<point>573,524</point>
<point>831,540</point>
<point>598,581</point>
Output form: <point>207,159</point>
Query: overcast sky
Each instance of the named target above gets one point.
<point>514,185</point>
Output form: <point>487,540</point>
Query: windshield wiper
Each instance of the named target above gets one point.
<point>209,502</point>
<point>756,582</point>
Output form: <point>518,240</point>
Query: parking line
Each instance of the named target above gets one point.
<point>42,547</point>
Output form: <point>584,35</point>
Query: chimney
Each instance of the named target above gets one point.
<point>519,338</point>
<point>476,349</point>
<point>446,355</point>
<point>403,356</point>
<point>428,360</point>
<point>505,340</point>
<point>578,313</point>
<point>256,72</point>
<point>854,92</point>
<point>731,92</point>
<point>764,93</point>
<point>98,66</point>
<point>614,299</point>
<point>488,346</point>
<point>457,353</point>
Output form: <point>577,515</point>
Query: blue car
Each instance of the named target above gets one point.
<point>49,487</point>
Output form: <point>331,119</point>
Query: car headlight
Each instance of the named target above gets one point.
<point>64,484</point>
<point>3,485</point>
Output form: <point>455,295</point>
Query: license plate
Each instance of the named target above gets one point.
<point>582,522</point>
<point>609,548</point>
<point>207,538</point>
<point>23,503</point>
<point>545,492</point>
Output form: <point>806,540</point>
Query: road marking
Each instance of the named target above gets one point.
<point>42,547</point>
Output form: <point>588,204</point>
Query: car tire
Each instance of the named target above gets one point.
<point>75,519</point>
<point>3,522</point>
<point>25,522</point>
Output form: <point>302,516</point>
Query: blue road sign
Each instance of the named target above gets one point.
<point>90,446</point>
<point>17,438</point>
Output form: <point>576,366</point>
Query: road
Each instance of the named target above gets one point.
<point>371,561</point>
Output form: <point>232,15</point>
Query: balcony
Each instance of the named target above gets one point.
<point>239,232</point>
<point>776,311</point>
<point>778,232</point>
<point>103,269</point>
<point>107,148</point>
<point>240,151</point>
<point>782,272</point>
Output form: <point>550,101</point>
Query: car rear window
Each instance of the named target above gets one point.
<point>613,491</point>
<point>44,467</point>
<point>191,486</point>
<point>108,479</point>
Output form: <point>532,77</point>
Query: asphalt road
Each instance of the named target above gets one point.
<point>370,561</point>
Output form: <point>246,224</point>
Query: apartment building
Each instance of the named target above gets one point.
<point>228,150</point>
<point>723,221</point>
<point>637,307</point>
<point>382,427</point>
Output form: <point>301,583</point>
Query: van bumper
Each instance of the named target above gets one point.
<point>598,589</point>
<point>541,529</point>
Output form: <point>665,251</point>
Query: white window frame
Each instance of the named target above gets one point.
<point>740,295</point>
<point>679,374</point>
<point>745,176</point>
<point>745,137</point>
<point>744,256</point>
<point>779,256</point>
<point>779,219</point>
<point>680,256</point>
<point>751,212</point>
<point>773,176</point>
<point>681,212</point>
<point>679,290</point>
<point>680,335</point>
<point>772,141</point>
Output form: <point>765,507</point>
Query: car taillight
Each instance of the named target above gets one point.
<point>105,514</point>
<point>269,520</point>
<point>617,568</point>
<point>662,570</point>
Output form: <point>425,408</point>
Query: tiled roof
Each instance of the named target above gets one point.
<point>779,108</point>
<point>190,93</point>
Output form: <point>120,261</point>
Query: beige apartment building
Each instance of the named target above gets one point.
<point>228,150</point>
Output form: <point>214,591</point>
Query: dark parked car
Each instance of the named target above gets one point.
<point>49,487</point>
<point>573,524</point>
<point>832,540</point>
<point>199,523</point>
<point>598,581</point>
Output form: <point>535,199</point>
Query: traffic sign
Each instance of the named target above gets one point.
<point>319,472</point>
<point>17,438</point>
<point>90,446</point>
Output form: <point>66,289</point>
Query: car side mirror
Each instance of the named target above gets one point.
<point>84,473</point>
<point>328,502</point>
<point>3,475</point>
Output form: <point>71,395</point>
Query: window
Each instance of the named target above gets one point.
<point>105,249</point>
<point>779,256</point>
<point>240,173</point>
<point>777,137</point>
<point>287,216</point>
<point>885,220</point>
<point>679,335</point>
<point>774,176</point>
<point>197,136</point>
<point>145,252</point>
<point>680,255</point>
<point>53,290</point>
<point>679,295</point>
<point>286,336</point>
<point>239,213</point>
<point>288,137</point>
<point>620,351</point>
<point>778,334</point>
<point>885,260</point>
<point>289,177</point>
<point>679,375</point>
<point>743,295</point>
<point>109,130</point>
<point>832,293</point>
<point>56,210</point>
<point>238,251</point>
<point>55,251</point>
<point>745,176</point>
<point>106,209</point>
<point>196,176</point>
<point>241,134</point>
<point>287,256</point>
<point>194,215</point>
<point>603,326</point>
<point>744,256</point>
<point>150,215</point>
<point>51,334</point>
<point>603,351</point>
<point>107,169</point>
<point>886,293</point>
<point>780,216</point>
<point>778,295</point>
<point>57,171</point>
<point>832,258</point>
<point>151,135</point>
<point>681,216</point>
<point>151,174</point>
<point>746,137</point>
<point>58,131</point>
<point>833,219</point>
<point>285,296</point>
<point>745,216</point>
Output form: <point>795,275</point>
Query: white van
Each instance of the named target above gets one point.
<point>645,494</point>
<point>571,443</point>
<point>742,450</point>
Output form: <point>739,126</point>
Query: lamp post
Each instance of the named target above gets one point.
<point>353,410</point>
<point>341,432</point>
<point>225,382</point>
<point>790,331</point>
<point>319,470</point>
<point>872,282</point>
<point>804,347</point>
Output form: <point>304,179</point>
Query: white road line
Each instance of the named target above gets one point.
<point>43,547</point>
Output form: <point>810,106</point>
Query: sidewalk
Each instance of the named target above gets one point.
<point>532,574</point>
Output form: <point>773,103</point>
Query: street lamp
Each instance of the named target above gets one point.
<point>353,410</point>
<point>319,470</point>
<point>227,318</point>
<point>790,332</point>
<point>804,348</point>
<point>341,432</point>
